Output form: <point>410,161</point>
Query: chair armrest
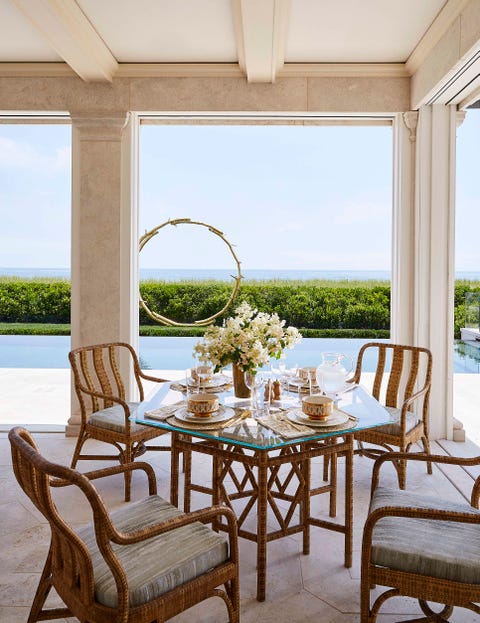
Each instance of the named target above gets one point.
<point>117,399</point>
<point>415,397</point>
<point>153,378</point>
<point>417,456</point>
<point>117,469</point>
<point>204,515</point>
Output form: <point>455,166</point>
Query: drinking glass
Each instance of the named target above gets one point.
<point>254,380</point>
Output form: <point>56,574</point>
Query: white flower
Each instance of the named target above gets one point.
<point>249,339</point>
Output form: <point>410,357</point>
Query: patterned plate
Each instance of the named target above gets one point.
<point>216,381</point>
<point>298,417</point>
<point>223,413</point>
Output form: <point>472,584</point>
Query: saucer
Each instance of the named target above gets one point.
<point>218,380</point>
<point>337,418</point>
<point>223,413</point>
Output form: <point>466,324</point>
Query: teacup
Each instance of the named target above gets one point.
<point>202,373</point>
<point>317,407</point>
<point>202,405</point>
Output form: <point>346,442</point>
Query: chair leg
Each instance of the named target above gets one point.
<point>402,473</point>
<point>81,439</point>
<point>43,589</point>
<point>426,447</point>
<point>127,458</point>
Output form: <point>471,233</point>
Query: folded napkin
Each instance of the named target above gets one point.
<point>285,428</point>
<point>164,413</point>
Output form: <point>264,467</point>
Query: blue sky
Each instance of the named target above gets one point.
<point>303,197</point>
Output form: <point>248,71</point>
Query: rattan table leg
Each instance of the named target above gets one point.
<point>174,466</point>
<point>305,507</point>
<point>217,468</point>
<point>349,501</point>
<point>262,494</point>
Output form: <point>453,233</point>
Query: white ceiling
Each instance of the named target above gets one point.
<point>99,39</point>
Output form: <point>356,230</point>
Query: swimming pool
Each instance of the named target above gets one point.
<point>175,353</point>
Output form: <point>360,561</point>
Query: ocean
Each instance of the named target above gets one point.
<point>185,274</point>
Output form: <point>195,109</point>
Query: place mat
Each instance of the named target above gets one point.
<point>285,428</point>
<point>236,419</point>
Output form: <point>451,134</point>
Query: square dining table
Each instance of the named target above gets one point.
<point>273,484</point>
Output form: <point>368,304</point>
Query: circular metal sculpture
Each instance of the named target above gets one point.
<point>206,321</point>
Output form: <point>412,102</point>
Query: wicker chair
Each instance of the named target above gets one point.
<point>402,390</point>
<point>143,563</point>
<point>104,410</point>
<point>421,547</point>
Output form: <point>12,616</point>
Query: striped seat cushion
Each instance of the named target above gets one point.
<point>394,427</point>
<point>160,564</point>
<point>441,549</point>
<point>113,418</point>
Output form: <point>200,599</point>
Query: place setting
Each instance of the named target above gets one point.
<point>203,379</point>
<point>202,411</point>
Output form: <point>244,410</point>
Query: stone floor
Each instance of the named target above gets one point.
<point>300,589</point>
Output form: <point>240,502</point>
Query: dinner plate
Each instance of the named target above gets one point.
<point>223,413</point>
<point>216,381</point>
<point>297,382</point>
<point>337,418</point>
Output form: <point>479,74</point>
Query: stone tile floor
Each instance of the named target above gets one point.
<point>301,589</point>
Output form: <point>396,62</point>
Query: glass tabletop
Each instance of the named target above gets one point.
<point>242,429</point>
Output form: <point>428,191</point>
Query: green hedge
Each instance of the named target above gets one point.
<point>323,308</point>
<point>302,304</point>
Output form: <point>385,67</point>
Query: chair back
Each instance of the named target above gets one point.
<point>71,565</point>
<point>97,374</point>
<point>400,372</point>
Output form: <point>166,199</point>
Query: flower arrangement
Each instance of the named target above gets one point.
<point>249,339</point>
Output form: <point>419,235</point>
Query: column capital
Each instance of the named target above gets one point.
<point>100,126</point>
<point>410,119</point>
<point>461,114</point>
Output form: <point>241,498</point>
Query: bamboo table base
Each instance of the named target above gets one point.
<point>262,485</point>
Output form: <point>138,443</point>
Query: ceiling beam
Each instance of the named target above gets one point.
<point>72,36</point>
<point>260,33</point>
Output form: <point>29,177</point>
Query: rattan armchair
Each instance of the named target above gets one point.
<point>143,563</point>
<point>421,547</point>
<point>105,412</point>
<point>405,392</point>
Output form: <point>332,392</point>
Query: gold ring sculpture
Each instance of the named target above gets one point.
<point>206,321</point>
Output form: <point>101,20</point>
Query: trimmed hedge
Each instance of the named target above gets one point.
<point>325,309</point>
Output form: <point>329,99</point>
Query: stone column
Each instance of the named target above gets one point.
<point>434,255</point>
<point>402,290</point>
<point>103,270</point>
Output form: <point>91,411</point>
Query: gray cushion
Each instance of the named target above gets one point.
<point>394,428</point>
<point>441,549</point>
<point>113,418</point>
<point>160,564</point>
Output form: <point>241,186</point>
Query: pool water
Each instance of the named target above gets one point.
<point>175,353</point>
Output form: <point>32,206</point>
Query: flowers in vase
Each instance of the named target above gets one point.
<point>249,339</point>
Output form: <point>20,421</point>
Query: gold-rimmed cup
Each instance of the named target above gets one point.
<point>202,405</point>
<point>317,407</point>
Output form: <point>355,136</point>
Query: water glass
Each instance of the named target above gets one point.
<point>254,380</point>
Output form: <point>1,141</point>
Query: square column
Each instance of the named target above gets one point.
<point>104,300</point>
<point>434,241</point>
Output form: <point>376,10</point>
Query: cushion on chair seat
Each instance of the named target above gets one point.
<point>157,565</point>
<point>441,549</point>
<point>113,418</point>
<point>394,428</point>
